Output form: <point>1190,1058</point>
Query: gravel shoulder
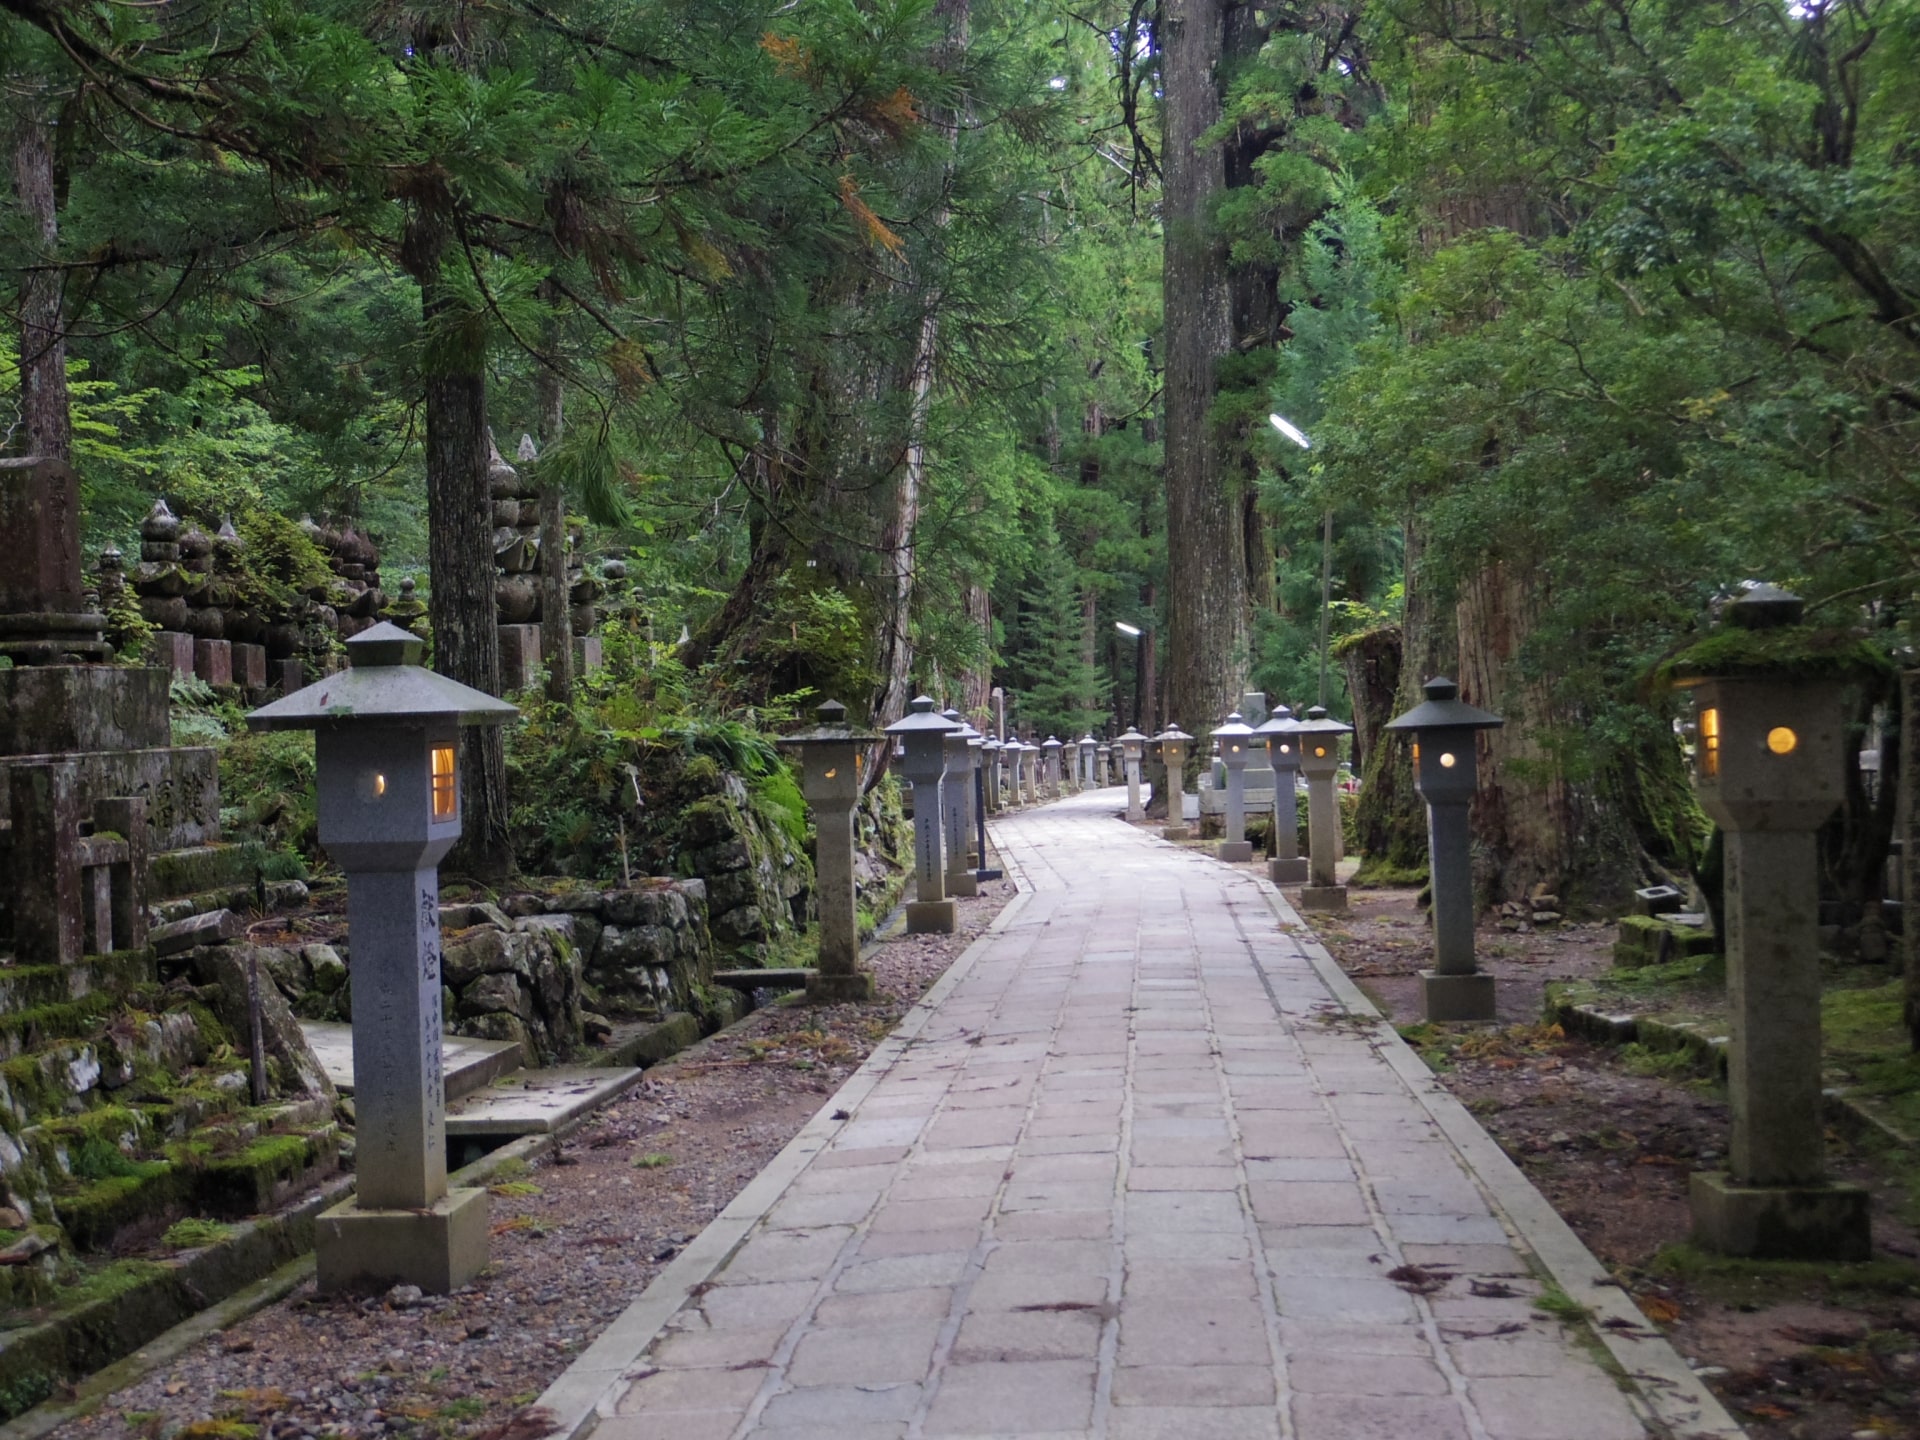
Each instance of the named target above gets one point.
<point>576,1236</point>
<point>1610,1135</point>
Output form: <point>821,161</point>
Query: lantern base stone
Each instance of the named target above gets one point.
<point>932,917</point>
<point>1174,832</point>
<point>439,1249</point>
<point>1287,872</point>
<point>1323,897</point>
<point>1456,997</point>
<point>1781,1222</point>
<point>961,884</point>
<point>1235,851</point>
<point>840,989</point>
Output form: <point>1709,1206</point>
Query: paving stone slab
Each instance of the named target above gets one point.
<point>1117,1178</point>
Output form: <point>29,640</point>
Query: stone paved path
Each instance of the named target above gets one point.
<point>1139,1175</point>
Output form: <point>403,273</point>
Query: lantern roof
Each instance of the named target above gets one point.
<point>1280,722</point>
<point>1087,739</point>
<point>1317,723</point>
<point>1233,726</point>
<point>920,718</point>
<point>966,731</point>
<point>383,684</point>
<point>1052,742</point>
<point>832,729</point>
<point>1443,709</point>
<point>1173,735</point>
<point>1132,737</point>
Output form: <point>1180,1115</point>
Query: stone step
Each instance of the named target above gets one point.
<point>764,979</point>
<point>535,1102</point>
<point>33,987</point>
<point>198,869</point>
<point>468,1064</point>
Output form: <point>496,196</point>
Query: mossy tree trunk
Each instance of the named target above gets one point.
<point>1910,846</point>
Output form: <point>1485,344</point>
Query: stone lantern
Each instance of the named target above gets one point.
<point>922,737</point>
<point>1089,747</point>
<point>1445,772</point>
<point>1769,767</point>
<point>1010,772</point>
<point>831,759</point>
<point>1173,742</point>
<point>1319,740</point>
<point>1050,758</point>
<point>1103,765</point>
<point>1133,750</point>
<point>1280,731</point>
<point>1235,739</point>
<point>990,753</point>
<point>386,753</point>
<point>956,805</point>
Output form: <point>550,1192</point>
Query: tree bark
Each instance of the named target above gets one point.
<point>44,414</point>
<point>466,641</point>
<point>1391,820</point>
<point>1206,540</point>
<point>1535,825</point>
<point>1909,831</point>
<point>897,651</point>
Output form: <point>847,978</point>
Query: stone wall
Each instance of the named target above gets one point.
<point>645,949</point>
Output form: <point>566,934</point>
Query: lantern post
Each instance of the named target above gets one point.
<point>1050,758</point>
<point>1235,740</point>
<point>1173,742</point>
<point>831,758</point>
<point>1133,750</point>
<point>956,805</point>
<point>387,772</point>
<point>1769,767</point>
<point>1281,732</point>
<point>1320,762</point>
<point>922,737</point>
<point>1445,772</point>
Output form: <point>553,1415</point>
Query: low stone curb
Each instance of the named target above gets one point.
<point>1671,1397</point>
<point>152,1311</point>
<point>570,1407</point>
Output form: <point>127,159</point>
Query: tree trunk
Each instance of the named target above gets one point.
<point>896,658</point>
<point>1372,663</point>
<point>1206,548</point>
<point>556,623</point>
<point>1391,820</point>
<point>1909,831</point>
<point>44,415</point>
<point>1533,824</point>
<point>466,640</point>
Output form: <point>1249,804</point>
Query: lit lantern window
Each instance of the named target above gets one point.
<point>1319,752</point>
<point>1710,742</point>
<point>444,794</point>
<point>1781,740</point>
<point>379,785</point>
<point>1447,760</point>
<point>1416,752</point>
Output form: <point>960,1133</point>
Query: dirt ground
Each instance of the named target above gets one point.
<point>1797,1351</point>
<point>576,1237</point>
